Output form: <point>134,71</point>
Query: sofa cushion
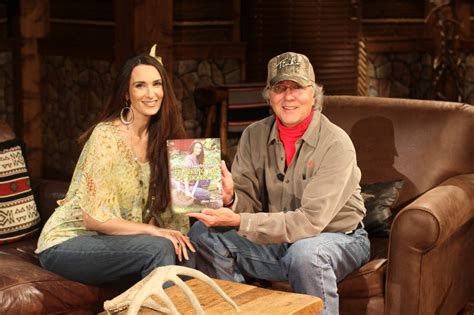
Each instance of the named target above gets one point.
<point>367,281</point>
<point>24,249</point>
<point>379,199</point>
<point>26,288</point>
<point>19,217</point>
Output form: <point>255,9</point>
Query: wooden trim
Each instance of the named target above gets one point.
<point>209,50</point>
<point>104,50</point>
<point>202,23</point>
<point>76,48</point>
<point>236,16</point>
<point>394,21</point>
<point>223,127</point>
<point>124,26</point>
<point>82,22</point>
<point>398,44</point>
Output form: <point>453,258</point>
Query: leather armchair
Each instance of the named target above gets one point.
<point>425,266</point>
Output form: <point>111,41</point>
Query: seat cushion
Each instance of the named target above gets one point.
<point>24,249</point>
<point>27,288</point>
<point>367,281</point>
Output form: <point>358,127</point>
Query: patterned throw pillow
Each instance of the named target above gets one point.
<point>19,217</point>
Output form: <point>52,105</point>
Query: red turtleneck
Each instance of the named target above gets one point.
<point>289,136</point>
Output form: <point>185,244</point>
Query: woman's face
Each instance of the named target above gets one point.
<point>197,149</point>
<point>145,91</point>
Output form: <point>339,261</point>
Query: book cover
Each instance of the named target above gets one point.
<point>195,174</point>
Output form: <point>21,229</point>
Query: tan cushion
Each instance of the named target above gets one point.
<point>367,281</point>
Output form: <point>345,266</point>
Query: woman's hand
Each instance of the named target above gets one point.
<point>227,184</point>
<point>180,242</point>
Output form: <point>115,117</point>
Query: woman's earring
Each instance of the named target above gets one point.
<point>124,112</point>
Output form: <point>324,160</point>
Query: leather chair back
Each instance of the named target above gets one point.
<point>423,142</point>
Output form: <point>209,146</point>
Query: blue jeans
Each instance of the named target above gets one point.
<point>103,259</point>
<point>312,265</point>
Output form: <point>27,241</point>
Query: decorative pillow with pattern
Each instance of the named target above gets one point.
<point>19,217</point>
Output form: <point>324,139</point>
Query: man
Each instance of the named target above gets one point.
<point>293,205</point>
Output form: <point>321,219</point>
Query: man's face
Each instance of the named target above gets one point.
<point>291,102</point>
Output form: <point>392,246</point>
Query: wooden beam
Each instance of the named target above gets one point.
<point>398,44</point>
<point>76,49</point>
<point>462,12</point>
<point>124,47</point>
<point>209,50</point>
<point>236,20</point>
<point>32,24</point>
<point>136,30</point>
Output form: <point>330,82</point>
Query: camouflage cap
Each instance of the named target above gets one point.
<point>290,66</point>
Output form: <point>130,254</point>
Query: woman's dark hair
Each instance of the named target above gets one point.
<point>200,157</point>
<point>166,124</point>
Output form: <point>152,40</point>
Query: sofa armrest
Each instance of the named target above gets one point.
<point>431,250</point>
<point>47,192</point>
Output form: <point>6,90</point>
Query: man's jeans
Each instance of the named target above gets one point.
<point>108,258</point>
<point>312,265</point>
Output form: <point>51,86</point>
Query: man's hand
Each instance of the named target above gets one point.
<point>227,184</point>
<point>217,217</point>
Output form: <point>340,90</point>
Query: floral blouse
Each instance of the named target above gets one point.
<point>108,182</point>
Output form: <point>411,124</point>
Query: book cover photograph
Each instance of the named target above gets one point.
<point>195,174</point>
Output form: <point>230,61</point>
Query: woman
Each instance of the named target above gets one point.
<point>195,158</point>
<point>114,222</point>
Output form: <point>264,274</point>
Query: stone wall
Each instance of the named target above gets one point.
<point>192,74</point>
<point>404,75</point>
<point>6,89</point>
<point>409,75</point>
<point>76,89</point>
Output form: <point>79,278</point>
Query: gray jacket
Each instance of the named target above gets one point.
<point>319,192</point>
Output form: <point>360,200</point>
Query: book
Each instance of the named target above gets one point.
<point>195,174</point>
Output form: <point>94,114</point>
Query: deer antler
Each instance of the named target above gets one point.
<point>153,54</point>
<point>139,294</point>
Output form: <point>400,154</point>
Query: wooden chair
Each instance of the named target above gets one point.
<point>236,105</point>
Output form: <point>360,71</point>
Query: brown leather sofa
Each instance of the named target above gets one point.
<point>424,267</point>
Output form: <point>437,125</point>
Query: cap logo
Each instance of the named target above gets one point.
<point>287,62</point>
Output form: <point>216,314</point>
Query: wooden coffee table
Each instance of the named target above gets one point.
<point>250,299</point>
